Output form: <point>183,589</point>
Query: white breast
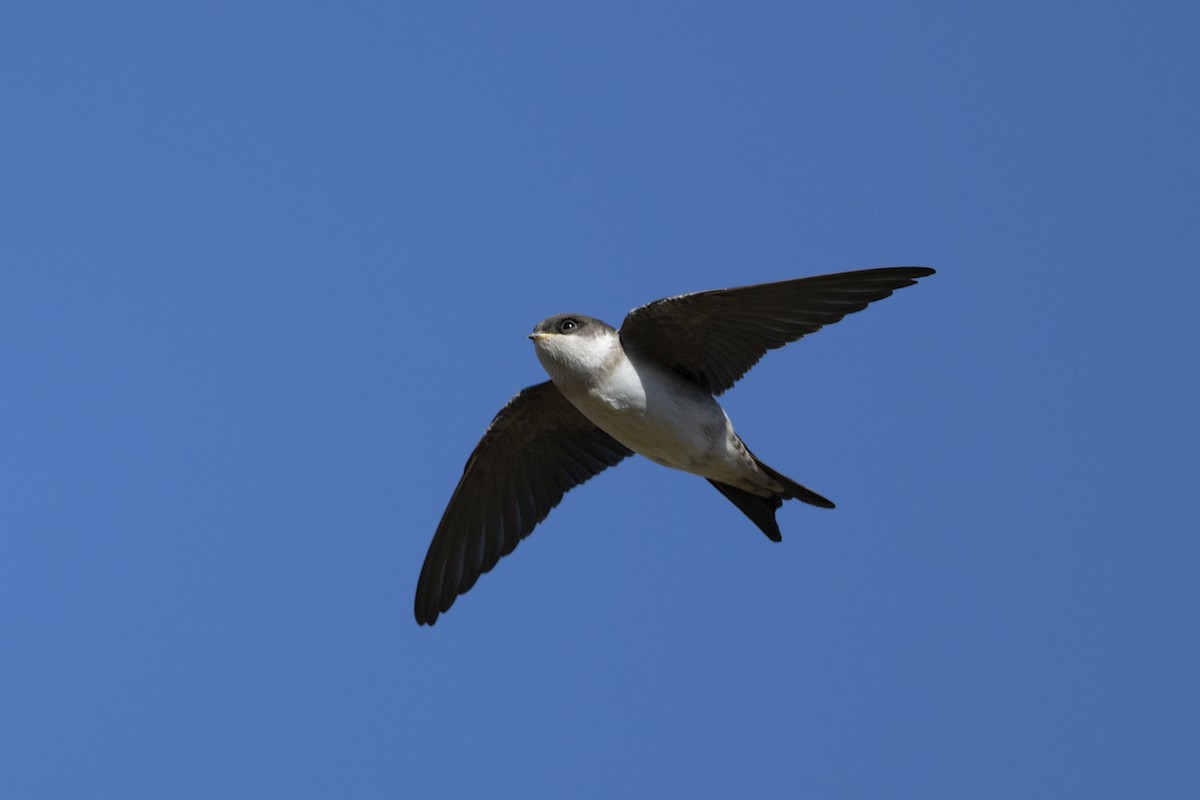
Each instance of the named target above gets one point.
<point>645,406</point>
<point>658,414</point>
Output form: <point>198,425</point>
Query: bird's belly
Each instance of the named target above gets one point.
<point>667,421</point>
<point>677,442</point>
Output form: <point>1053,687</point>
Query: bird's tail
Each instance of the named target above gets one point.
<point>761,509</point>
<point>793,490</point>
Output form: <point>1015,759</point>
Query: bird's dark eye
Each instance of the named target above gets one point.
<point>568,325</point>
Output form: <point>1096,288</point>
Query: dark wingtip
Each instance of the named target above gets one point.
<point>908,275</point>
<point>425,611</point>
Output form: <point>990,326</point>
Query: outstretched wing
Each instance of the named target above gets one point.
<point>716,337</point>
<point>536,449</point>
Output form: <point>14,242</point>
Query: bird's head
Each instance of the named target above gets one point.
<point>574,348</point>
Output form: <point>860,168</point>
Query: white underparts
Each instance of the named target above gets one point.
<point>650,409</point>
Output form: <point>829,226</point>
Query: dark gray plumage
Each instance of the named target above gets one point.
<point>536,449</point>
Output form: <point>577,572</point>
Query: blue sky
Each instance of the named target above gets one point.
<point>266,275</point>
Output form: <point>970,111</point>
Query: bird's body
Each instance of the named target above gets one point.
<point>649,388</point>
<point>652,410</point>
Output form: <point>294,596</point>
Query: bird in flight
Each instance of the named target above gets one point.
<point>648,388</point>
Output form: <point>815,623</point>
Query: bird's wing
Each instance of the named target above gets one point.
<point>715,337</point>
<point>536,449</point>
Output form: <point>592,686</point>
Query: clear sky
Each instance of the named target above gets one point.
<point>266,273</point>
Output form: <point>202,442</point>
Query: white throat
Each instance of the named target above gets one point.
<point>579,360</point>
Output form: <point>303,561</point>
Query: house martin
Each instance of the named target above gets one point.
<point>648,388</point>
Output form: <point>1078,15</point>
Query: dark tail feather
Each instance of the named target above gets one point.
<point>794,490</point>
<point>761,510</point>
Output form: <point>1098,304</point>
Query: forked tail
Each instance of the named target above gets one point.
<point>761,510</point>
